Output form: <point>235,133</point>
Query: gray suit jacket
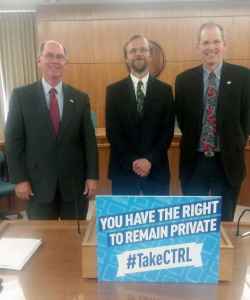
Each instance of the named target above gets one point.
<point>36,155</point>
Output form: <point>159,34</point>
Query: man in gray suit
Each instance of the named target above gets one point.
<point>50,142</point>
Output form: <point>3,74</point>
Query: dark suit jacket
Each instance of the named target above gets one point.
<point>36,155</point>
<point>232,115</point>
<point>131,136</point>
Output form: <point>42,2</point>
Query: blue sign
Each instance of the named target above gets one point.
<point>158,238</point>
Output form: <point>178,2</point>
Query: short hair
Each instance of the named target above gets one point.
<point>211,25</point>
<point>132,38</point>
<point>43,44</point>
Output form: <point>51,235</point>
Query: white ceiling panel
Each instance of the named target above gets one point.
<point>33,4</point>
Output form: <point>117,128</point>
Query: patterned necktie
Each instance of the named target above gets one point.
<point>208,134</point>
<point>54,110</point>
<point>139,97</point>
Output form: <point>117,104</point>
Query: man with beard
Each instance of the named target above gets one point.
<point>139,126</point>
<point>212,106</point>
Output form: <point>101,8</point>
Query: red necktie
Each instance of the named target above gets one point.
<point>54,110</point>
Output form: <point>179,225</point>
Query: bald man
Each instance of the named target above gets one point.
<point>50,142</point>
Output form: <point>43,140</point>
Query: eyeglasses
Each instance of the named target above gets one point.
<point>141,50</point>
<point>52,56</point>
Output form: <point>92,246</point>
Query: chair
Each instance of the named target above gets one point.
<point>6,189</point>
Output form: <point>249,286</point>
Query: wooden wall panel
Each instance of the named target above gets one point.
<point>240,38</point>
<point>102,41</point>
<point>75,36</point>
<point>94,37</point>
<point>93,79</point>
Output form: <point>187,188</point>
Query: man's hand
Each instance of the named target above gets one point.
<point>142,167</point>
<point>23,190</point>
<point>90,188</point>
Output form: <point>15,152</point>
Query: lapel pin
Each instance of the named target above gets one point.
<point>71,101</point>
<point>229,82</point>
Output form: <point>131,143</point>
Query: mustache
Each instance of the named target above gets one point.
<point>209,51</point>
<point>139,59</point>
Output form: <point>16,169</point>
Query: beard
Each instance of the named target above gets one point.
<point>139,65</point>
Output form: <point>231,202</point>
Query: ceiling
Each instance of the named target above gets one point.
<point>33,4</point>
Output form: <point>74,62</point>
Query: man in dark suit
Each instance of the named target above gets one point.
<point>139,125</point>
<point>50,142</point>
<point>212,107</point>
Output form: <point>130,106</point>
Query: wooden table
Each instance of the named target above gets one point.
<point>54,272</point>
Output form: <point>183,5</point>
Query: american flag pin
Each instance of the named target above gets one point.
<point>229,82</point>
<point>71,101</point>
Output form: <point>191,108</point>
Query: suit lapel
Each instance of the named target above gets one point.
<point>150,86</point>
<point>68,110</point>
<point>225,83</point>
<point>150,93</point>
<point>42,107</point>
<point>198,81</point>
<point>131,97</point>
<point>198,98</point>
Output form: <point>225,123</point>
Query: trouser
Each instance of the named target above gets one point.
<point>58,209</point>
<point>209,178</point>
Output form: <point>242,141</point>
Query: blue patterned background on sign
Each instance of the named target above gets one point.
<point>107,264</point>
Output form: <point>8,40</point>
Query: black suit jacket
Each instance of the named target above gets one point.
<point>232,115</point>
<point>36,155</point>
<point>131,136</point>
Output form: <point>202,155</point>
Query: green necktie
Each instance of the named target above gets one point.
<point>139,97</point>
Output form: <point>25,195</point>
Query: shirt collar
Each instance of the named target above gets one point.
<point>216,71</point>
<point>47,87</point>
<point>136,79</point>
